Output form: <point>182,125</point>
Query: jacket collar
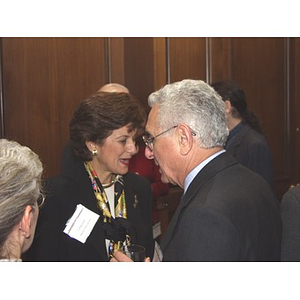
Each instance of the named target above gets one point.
<point>238,137</point>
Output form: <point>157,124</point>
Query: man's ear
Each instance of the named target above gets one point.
<point>228,106</point>
<point>185,138</point>
<point>25,225</point>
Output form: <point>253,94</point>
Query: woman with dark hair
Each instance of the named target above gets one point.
<point>95,206</point>
<point>246,141</point>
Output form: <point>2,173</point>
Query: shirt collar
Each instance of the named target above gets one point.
<point>189,178</point>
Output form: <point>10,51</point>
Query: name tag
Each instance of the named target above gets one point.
<point>81,224</point>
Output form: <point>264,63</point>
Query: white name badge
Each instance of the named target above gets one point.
<point>81,224</point>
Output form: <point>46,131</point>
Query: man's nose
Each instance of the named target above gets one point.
<point>148,153</point>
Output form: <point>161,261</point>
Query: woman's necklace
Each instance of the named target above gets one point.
<point>107,185</point>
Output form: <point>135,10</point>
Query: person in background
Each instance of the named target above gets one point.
<point>246,141</point>
<point>290,215</point>
<point>114,88</point>
<point>97,190</point>
<point>227,212</point>
<point>20,193</point>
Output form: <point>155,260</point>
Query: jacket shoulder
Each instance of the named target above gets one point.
<point>292,194</point>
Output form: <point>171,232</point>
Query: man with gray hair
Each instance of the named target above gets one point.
<point>227,212</point>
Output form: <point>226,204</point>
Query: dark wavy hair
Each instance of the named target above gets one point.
<point>231,91</point>
<point>98,115</point>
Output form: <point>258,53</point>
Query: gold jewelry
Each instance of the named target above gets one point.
<point>107,185</point>
<point>94,152</point>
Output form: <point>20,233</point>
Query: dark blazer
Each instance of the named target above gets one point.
<point>251,149</point>
<point>68,157</point>
<point>72,188</point>
<point>228,213</point>
<point>290,214</point>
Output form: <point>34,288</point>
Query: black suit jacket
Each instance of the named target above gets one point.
<point>228,213</point>
<point>74,187</point>
<point>290,213</point>
<point>68,157</point>
<point>251,149</point>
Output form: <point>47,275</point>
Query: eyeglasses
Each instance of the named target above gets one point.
<point>149,141</point>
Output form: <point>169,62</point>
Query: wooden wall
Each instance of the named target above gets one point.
<point>43,79</point>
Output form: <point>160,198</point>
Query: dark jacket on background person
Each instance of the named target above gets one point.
<point>251,149</point>
<point>290,214</point>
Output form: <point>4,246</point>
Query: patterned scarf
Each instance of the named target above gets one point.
<point>103,204</point>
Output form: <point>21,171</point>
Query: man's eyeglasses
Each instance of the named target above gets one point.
<point>149,141</point>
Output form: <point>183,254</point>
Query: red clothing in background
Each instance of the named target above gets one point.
<point>147,168</point>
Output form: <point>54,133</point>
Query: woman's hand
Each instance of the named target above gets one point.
<point>121,257</point>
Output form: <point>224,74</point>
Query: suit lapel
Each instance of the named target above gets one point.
<point>215,166</point>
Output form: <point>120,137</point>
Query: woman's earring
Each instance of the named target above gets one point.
<point>94,152</point>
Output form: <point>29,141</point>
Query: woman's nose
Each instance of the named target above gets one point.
<point>133,148</point>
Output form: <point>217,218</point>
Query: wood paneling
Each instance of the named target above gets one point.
<point>116,60</point>
<point>187,58</point>
<point>160,63</point>
<point>219,59</point>
<point>294,120</point>
<point>43,80</point>
<point>139,67</point>
<point>259,65</point>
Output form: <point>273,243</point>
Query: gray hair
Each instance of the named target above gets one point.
<point>20,184</point>
<point>195,103</point>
